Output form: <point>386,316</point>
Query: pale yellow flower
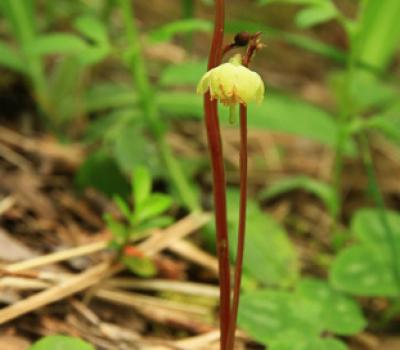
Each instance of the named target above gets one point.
<point>232,83</point>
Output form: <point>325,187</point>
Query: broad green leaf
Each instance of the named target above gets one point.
<point>154,205</point>
<point>60,342</point>
<point>141,266</point>
<point>368,227</point>
<point>361,271</point>
<point>57,43</point>
<point>166,32</point>
<point>313,15</point>
<point>10,58</point>
<point>320,189</point>
<point>339,314</point>
<point>188,73</point>
<point>141,186</point>
<point>269,256</point>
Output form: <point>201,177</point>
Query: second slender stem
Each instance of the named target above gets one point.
<point>242,227</point>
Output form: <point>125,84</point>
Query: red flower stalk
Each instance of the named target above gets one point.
<point>215,148</point>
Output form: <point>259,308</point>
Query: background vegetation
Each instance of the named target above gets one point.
<point>111,83</point>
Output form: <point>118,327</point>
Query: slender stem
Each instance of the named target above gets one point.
<point>242,226</point>
<point>218,172</point>
<point>380,203</point>
<point>215,148</point>
<point>343,135</point>
<point>156,125</point>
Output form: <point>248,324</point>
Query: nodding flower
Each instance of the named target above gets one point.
<point>232,83</point>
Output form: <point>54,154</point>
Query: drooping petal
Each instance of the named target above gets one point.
<point>203,85</point>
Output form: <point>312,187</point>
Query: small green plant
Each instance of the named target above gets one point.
<point>144,214</point>
<point>57,94</point>
<point>61,342</point>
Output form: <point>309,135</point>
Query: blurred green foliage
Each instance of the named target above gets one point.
<point>60,47</point>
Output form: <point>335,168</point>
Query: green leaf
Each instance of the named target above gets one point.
<point>122,206</point>
<point>369,229</point>
<point>96,34</point>
<point>166,32</point>
<point>64,91</point>
<point>141,266</point>
<point>109,96</point>
<point>57,43</point>
<point>316,14</point>
<point>269,256</point>
<point>181,104</point>
<point>285,114</point>
<point>387,122</point>
<point>60,342</point>
<point>379,32</point>
<point>188,73</point>
<point>154,205</point>
<point>386,125</point>
<point>339,314</point>
<point>132,148</point>
<point>283,320</point>
<point>265,313</point>
<point>100,171</point>
<point>119,231</point>
<point>92,28</point>
<point>158,222</point>
<point>296,341</point>
<point>368,92</point>
<point>21,15</point>
<point>320,189</point>
<point>141,186</point>
<point>362,271</point>
<point>10,59</point>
